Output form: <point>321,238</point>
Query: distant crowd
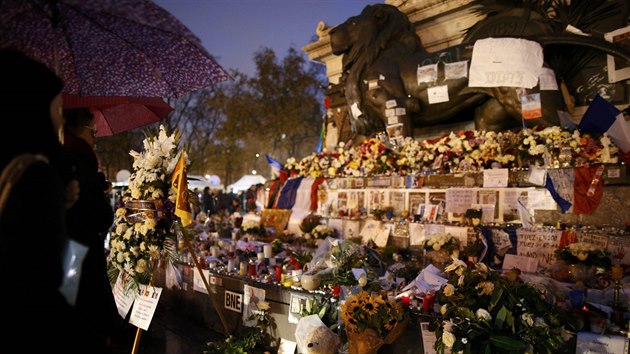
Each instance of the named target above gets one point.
<point>215,201</point>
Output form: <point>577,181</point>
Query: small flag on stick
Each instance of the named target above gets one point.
<point>180,184</point>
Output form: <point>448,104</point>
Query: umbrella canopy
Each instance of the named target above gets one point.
<point>110,47</point>
<point>116,114</point>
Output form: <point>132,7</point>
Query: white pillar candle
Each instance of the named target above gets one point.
<point>267,251</point>
<point>260,256</point>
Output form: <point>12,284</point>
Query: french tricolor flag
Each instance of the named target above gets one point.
<point>603,117</point>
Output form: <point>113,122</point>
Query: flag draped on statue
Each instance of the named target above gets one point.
<point>603,117</point>
<point>180,184</point>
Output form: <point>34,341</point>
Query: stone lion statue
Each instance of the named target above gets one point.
<point>381,55</point>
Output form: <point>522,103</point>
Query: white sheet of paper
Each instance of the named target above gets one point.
<point>416,234</point>
<point>390,112</point>
<point>351,228</point>
<point>428,338</point>
<point>251,297</point>
<point>540,199</point>
<point>370,230</point>
<point>496,177</point>
<point>383,236</point>
<point>537,175</point>
<point>461,232</point>
<point>392,119</point>
<point>296,303</point>
<point>589,342</point>
<point>438,94</point>
<point>510,62</point>
<point>144,306</point>
<point>487,212</point>
<point>456,70</point>
<point>401,111</point>
<point>123,301</point>
<point>286,346</point>
<point>336,224</point>
<point>390,104</point>
<point>432,229</point>
<point>547,80</point>
<point>354,109</point>
<point>427,73</point>
<point>198,284</point>
<point>524,264</point>
<point>459,199</point>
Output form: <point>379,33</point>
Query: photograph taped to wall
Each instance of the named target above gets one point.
<point>617,70</point>
<point>395,130</point>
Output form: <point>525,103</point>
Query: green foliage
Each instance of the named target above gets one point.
<point>253,340</point>
<point>325,308</point>
<point>486,313</point>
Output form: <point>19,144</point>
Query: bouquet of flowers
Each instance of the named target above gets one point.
<point>253,227</point>
<point>442,241</point>
<point>371,321</point>
<point>320,232</point>
<point>143,221</point>
<point>486,313</point>
<point>586,254</point>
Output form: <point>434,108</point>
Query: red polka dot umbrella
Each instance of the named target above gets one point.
<point>110,47</point>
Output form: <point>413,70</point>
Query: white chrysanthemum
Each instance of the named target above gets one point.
<point>154,251</point>
<point>141,266</point>
<point>448,339</point>
<point>150,223</point>
<point>483,315</point>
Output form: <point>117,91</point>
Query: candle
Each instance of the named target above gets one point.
<point>405,300</point>
<point>427,302</point>
<point>260,256</point>
<point>278,273</point>
<point>252,270</point>
<point>267,251</point>
<point>243,269</point>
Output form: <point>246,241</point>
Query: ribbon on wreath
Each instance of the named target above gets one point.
<point>140,210</point>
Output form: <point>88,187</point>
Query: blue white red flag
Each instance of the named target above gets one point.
<point>276,166</point>
<point>603,117</point>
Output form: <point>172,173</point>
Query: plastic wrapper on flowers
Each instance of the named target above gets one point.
<point>334,256</point>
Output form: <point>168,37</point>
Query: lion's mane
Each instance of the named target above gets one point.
<point>379,27</point>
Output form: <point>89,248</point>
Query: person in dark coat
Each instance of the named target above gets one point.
<point>88,221</point>
<point>37,317</point>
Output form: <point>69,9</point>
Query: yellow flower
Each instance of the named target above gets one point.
<point>449,290</point>
<point>485,288</point>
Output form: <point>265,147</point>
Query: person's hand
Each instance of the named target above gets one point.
<point>72,193</point>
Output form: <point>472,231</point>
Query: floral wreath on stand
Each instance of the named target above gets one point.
<point>142,233</point>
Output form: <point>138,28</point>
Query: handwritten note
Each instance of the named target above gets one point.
<point>510,62</point>
<point>547,80</point>
<point>456,70</point>
<point>496,177</point>
<point>123,299</point>
<point>144,306</point>
<point>459,199</point>
<point>522,263</point>
<point>427,73</point>
<point>619,248</point>
<point>538,244</point>
<point>438,94</point>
